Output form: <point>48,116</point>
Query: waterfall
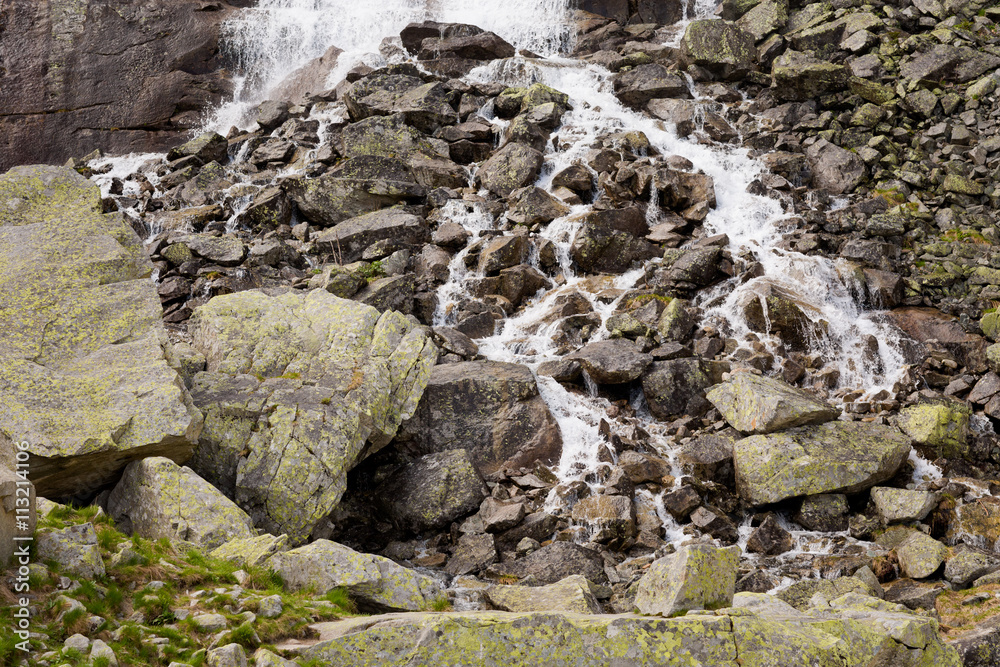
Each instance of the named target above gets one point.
<point>270,41</point>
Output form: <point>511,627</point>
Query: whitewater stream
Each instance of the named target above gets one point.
<point>279,36</point>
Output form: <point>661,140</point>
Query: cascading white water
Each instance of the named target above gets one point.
<point>270,41</point>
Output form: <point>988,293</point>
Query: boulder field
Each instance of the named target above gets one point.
<point>443,364</point>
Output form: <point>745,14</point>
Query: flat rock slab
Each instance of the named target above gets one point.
<point>298,389</point>
<point>850,635</point>
<point>756,404</point>
<point>83,375</point>
<point>836,457</point>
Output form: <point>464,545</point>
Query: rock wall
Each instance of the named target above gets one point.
<point>121,76</point>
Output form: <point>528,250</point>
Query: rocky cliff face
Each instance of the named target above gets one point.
<point>121,77</point>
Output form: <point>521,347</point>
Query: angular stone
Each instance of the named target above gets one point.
<point>375,583</point>
<point>798,76</point>
<point>355,186</point>
<point>499,516</point>
<point>74,549</point>
<point>299,388</point>
<point>208,147</point>
<point>825,512</point>
<point>513,166</point>
<point>678,386</point>
<point>472,554</point>
<point>720,47</point>
<point>836,457</point>
<point>834,168</point>
<point>554,562</point>
<point>967,565</point>
<point>697,576</point>
<point>532,205</point>
<point>83,374</point>
<point>757,404</point>
<point>765,18</point>
<point>769,538</point>
<point>612,361</point>
<point>646,82</point>
<point>920,555</point>
<point>432,491</point>
<point>347,241</point>
<point>943,426</point>
<point>251,552</point>
<point>571,595</point>
<point>156,499</point>
<point>902,505</point>
<point>610,241</point>
<point>491,409</point>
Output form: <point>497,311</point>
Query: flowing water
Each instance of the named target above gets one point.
<point>279,36</point>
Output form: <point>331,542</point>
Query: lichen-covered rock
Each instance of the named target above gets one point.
<point>920,555</point>
<point>756,404</point>
<point>902,505</point>
<point>943,426</point>
<point>850,633</point>
<point>230,655</point>
<point>298,389</point>
<point>799,76</point>
<point>74,549</point>
<point>513,166</point>
<point>574,594</point>
<point>375,583</point>
<point>493,410</point>
<point>800,594</point>
<point>251,551</point>
<point>355,186</point>
<point>158,498</point>
<point>697,576</point>
<point>835,457</point>
<point>678,386</point>
<point>83,374</point>
<point>721,47</point>
<point>433,491</point>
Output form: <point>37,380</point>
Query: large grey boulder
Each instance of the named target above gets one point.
<point>513,166</point>
<point>678,386</point>
<point>491,409</point>
<point>612,361</point>
<point>756,404</point>
<point>83,374</point>
<point>647,82</point>
<point>835,169</point>
<point>375,583</point>
<point>610,241</point>
<point>347,240</point>
<point>574,594</point>
<point>835,457</point>
<point>433,491</point>
<point>697,576</point>
<point>156,498</point>
<point>355,186</point>
<point>554,562</point>
<point>74,549</point>
<point>902,505</point>
<point>298,389</point>
<point>920,555</point>
<point>721,47</point>
<point>799,76</point>
<point>423,105</point>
